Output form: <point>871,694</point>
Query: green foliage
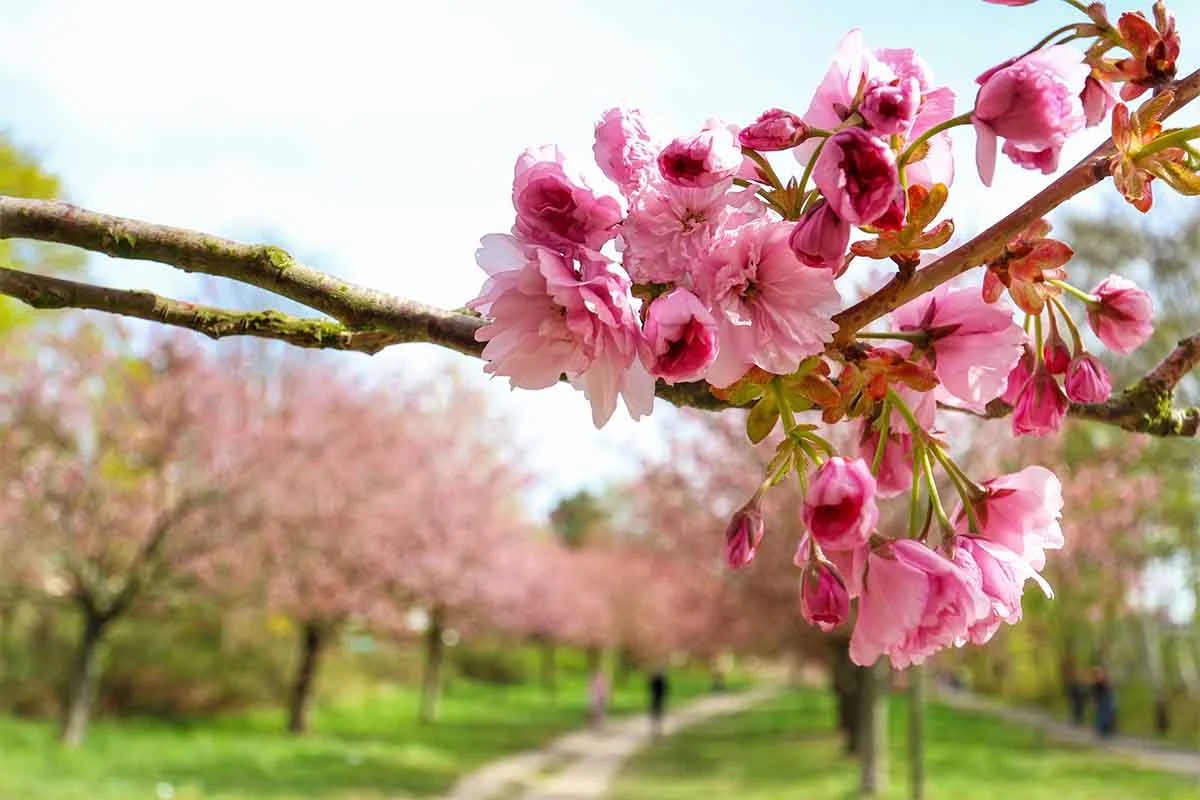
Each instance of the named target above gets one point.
<point>365,744</point>
<point>494,664</point>
<point>787,748</point>
<point>579,517</point>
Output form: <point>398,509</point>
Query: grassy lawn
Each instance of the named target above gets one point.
<point>785,749</point>
<point>371,747</point>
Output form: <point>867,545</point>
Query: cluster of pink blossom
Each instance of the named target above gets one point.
<point>709,266</point>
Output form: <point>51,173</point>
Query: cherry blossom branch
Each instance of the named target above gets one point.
<point>1145,407</point>
<point>44,292</point>
<point>902,288</point>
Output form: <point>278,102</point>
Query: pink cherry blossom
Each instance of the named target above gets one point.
<point>1121,316</point>
<point>556,209</point>
<point>775,129</point>
<point>895,470</point>
<point>1032,102</point>
<point>1055,353</point>
<point>1087,380</point>
<point>670,229</point>
<point>623,149</point>
<point>1041,405</point>
<point>839,508</point>
<point>703,160</point>
<point>857,173</point>
<point>1003,575</point>
<point>1018,377</point>
<point>824,601</point>
<point>1020,512</point>
<point>1098,99</point>
<point>973,346</point>
<point>546,319</point>
<point>915,603</point>
<point>680,337</point>
<point>744,534</point>
<point>890,107</point>
<point>772,311</point>
<point>821,238</point>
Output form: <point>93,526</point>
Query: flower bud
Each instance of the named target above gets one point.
<point>839,509</point>
<point>891,107</point>
<point>1121,315</point>
<point>1087,380</point>
<point>744,534</point>
<point>824,601</point>
<point>1056,353</point>
<point>703,160</point>
<point>1019,376</point>
<point>1041,407</point>
<point>775,129</point>
<point>680,337</point>
<point>858,175</point>
<point>821,237</point>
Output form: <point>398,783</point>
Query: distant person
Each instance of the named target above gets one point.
<point>1106,703</point>
<point>658,701</point>
<point>1076,698</point>
<point>598,700</point>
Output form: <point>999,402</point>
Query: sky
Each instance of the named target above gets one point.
<point>376,140</point>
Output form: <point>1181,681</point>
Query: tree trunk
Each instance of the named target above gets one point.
<point>549,668</point>
<point>624,667</point>
<point>873,731</point>
<point>84,680</point>
<point>847,688</point>
<point>312,645</point>
<point>435,656</point>
<point>916,730</point>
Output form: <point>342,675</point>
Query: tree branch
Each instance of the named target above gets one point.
<point>264,266</point>
<point>41,291</point>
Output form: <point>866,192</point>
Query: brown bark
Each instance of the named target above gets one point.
<point>435,657</point>
<point>84,680</point>
<point>312,644</point>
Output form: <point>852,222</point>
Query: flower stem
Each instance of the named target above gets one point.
<point>812,162</point>
<point>934,497</point>
<point>1037,341</point>
<point>764,165</point>
<point>953,122</point>
<point>963,485</point>
<point>1046,40</point>
<point>914,501</point>
<point>916,337</point>
<point>897,403</point>
<point>1076,339</point>
<point>1173,139</point>
<point>885,429</point>
<point>1069,289</point>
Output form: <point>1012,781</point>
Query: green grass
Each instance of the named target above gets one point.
<point>371,747</point>
<point>785,749</point>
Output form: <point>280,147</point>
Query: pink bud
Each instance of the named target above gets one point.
<point>1041,407</point>
<point>1056,353</point>
<point>1121,316</point>
<point>775,129</point>
<point>680,337</point>
<point>1098,99</point>
<point>824,601</point>
<point>744,534</point>
<point>1019,376</point>
<point>857,174</point>
<point>839,509</point>
<point>821,237</point>
<point>893,218</point>
<point>891,107</point>
<point>1087,380</point>
<point>702,160</point>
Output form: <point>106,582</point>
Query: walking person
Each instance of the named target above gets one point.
<point>658,701</point>
<point>598,705</point>
<point>1106,703</point>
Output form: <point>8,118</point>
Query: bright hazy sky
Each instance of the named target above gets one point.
<point>376,140</point>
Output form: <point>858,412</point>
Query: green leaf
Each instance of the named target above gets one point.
<point>762,419</point>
